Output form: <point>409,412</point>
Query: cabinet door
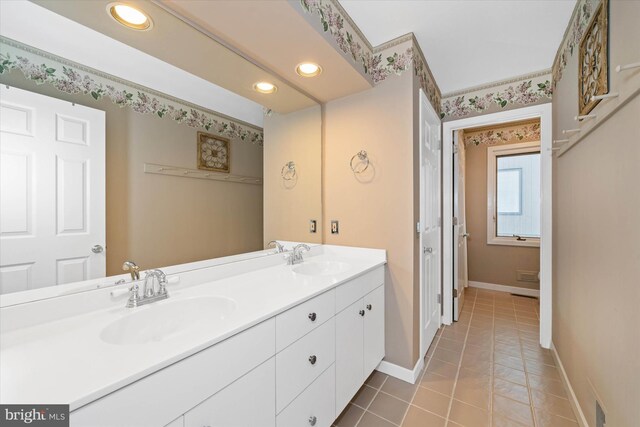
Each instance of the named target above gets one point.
<point>373,330</point>
<point>248,402</point>
<point>349,353</point>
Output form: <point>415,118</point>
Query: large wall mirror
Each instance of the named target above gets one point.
<point>149,144</point>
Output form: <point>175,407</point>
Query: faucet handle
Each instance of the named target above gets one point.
<point>279,247</point>
<point>134,296</point>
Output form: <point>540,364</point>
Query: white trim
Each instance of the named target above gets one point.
<point>542,111</point>
<point>505,288</point>
<point>492,155</point>
<point>575,405</point>
<point>404,374</point>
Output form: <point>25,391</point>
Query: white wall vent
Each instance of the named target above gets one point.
<point>527,276</point>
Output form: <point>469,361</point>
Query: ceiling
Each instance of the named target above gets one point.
<point>278,37</point>
<point>230,44</point>
<point>470,42</point>
<point>177,43</point>
<point>40,28</point>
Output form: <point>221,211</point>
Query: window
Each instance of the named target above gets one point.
<point>513,180</point>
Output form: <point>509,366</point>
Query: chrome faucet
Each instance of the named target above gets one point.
<point>279,247</point>
<point>296,255</point>
<point>149,293</point>
<point>132,268</point>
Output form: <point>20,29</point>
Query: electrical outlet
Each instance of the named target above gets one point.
<point>313,226</point>
<point>335,229</point>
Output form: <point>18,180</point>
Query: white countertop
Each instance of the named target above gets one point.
<point>66,361</point>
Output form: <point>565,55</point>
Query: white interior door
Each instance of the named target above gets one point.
<point>52,191</point>
<point>460,235</point>
<point>430,225</point>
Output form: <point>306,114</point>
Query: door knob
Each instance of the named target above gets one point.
<point>313,359</point>
<point>312,317</point>
<point>313,420</point>
<point>369,307</point>
<point>97,249</point>
<point>361,312</point>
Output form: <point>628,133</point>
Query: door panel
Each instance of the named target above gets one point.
<point>430,223</point>
<point>52,191</point>
<point>373,330</point>
<point>349,354</point>
<point>460,235</point>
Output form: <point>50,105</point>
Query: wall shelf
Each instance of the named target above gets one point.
<point>200,174</point>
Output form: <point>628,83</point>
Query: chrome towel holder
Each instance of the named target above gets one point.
<point>363,159</point>
<point>288,171</point>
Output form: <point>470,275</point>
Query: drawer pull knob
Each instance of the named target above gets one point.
<point>312,317</point>
<point>362,313</point>
<point>312,359</point>
<point>369,307</point>
<point>313,420</point>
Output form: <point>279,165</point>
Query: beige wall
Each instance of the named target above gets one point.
<point>491,263</point>
<point>158,220</point>
<point>596,288</point>
<point>290,205</point>
<point>376,209</point>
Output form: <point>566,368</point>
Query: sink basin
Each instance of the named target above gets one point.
<point>321,268</point>
<point>161,321</point>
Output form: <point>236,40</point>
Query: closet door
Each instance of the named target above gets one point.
<point>373,330</point>
<point>349,353</point>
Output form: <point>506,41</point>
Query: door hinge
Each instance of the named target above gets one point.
<point>455,293</point>
<point>439,299</point>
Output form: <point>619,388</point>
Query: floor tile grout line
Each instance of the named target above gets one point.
<point>455,382</point>
<point>371,401</point>
<point>419,381</point>
<point>526,378</point>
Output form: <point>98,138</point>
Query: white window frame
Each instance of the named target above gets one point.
<point>492,154</point>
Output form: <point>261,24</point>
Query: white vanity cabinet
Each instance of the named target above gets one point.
<point>359,334</point>
<point>247,402</point>
<point>298,368</point>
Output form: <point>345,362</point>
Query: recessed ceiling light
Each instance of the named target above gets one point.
<point>308,69</point>
<point>265,87</point>
<point>129,16</point>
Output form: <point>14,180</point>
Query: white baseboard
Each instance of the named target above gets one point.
<point>582,421</point>
<point>504,288</point>
<point>404,374</point>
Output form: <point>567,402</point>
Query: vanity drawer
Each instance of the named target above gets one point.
<point>175,389</point>
<point>355,289</point>
<point>302,319</point>
<point>303,361</point>
<point>316,406</point>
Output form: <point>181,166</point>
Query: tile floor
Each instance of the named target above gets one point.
<point>485,370</point>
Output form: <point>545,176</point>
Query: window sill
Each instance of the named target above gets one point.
<point>510,241</point>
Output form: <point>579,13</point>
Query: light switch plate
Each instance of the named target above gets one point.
<point>335,227</point>
<point>313,226</point>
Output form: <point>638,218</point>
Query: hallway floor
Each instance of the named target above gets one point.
<point>485,370</point>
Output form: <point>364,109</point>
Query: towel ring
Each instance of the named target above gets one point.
<point>363,159</point>
<point>288,171</point>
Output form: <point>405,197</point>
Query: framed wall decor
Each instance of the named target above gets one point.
<point>213,153</point>
<point>593,62</point>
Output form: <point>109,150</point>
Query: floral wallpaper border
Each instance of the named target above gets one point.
<point>73,78</point>
<point>376,64</point>
<point>571,41</point>
<point>523,133</point>
<point>506,95</point>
